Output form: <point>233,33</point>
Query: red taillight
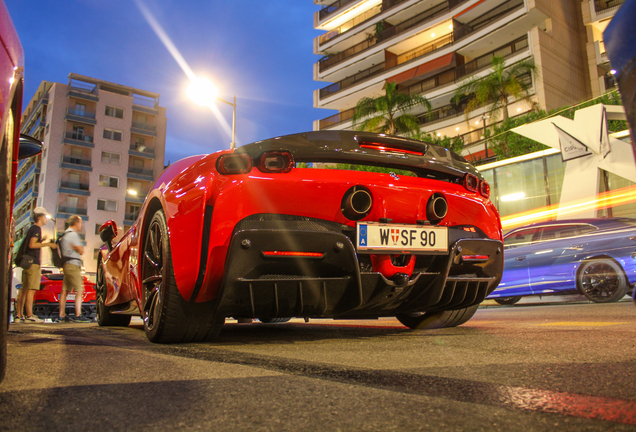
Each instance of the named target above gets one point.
<point>276,162</point>
<point>484,189</point>
<point>234,164</point>
<point>384,148</point>
<point>475,258</point>
<point>471,182</point>
<point>293,254</point>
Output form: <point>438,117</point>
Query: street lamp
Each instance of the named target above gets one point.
<point>203,92</point>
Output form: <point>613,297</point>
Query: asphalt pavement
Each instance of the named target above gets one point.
<point>569,367</point>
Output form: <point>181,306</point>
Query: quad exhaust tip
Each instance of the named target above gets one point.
<point>436,208</point>
<point>356,203</point>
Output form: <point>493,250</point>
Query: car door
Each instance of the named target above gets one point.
<point>515,280</point>
<point>552,261</point>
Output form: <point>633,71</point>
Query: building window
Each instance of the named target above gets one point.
<point>46,130</point>
<point>114,112</point>
<point>111,158</point>
<point>112,134</point>
<point>97,227</point>
<point>80,109</point>
<point>109,181</point>
<point>107,205</point>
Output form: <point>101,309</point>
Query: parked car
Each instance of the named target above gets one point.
<point>593,257</point>
<point>248,233</point>
<point>46,300</point>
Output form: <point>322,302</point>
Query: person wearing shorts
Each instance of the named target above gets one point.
<point>72,250</point>
<point>31,276</point>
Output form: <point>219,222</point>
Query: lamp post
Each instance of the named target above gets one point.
<point>203,92</point>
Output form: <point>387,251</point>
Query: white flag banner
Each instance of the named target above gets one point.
<point>571,148</point>
<point>605,142</point>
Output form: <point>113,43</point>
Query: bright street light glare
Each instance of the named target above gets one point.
<point>202,91</point>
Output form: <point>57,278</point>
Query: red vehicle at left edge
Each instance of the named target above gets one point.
<point>14,147</point>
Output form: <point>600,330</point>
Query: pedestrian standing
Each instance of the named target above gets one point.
<point>72,250</point>
<point>31,276</point>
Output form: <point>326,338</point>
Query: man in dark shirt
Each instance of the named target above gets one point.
<point>31,276</point>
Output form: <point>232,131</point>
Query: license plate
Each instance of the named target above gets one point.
<point>373,237</point>
<point>70,296</point>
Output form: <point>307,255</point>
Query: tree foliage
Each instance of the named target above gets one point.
<point>497,87</point>
<point>388,114</point>
<point>455,144</point>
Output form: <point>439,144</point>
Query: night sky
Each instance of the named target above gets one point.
<point>260,51</point>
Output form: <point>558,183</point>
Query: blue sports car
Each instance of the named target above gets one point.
<point>593,257</point>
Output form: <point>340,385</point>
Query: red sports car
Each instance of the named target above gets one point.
<point>46,300</point>
<point>322,224</point>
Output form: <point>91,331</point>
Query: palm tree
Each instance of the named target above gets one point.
<point>497,87</point>
<point>382,114</point>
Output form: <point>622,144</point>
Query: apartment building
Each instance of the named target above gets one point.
<point>104,145</point>
<point>429,47</point>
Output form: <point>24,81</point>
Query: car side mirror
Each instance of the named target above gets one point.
<point>107,232</point>
<point>29,147</point>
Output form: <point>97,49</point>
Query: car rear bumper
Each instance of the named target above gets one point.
<point>331,283</point>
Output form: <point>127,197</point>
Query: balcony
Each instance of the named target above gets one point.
<point>605,6</point>
<point>131,217</point>
<point>140,173</point>
<point>360,19</point>
<point>80,116</point>
<point>385,66</point>
<point>38,124</point>
<point>390,32</point>
<point>83,90</point>
<point>64,211</point>
<point>79,139</point>
<point>74,188</point>
<point>462,30</point>
<point>141,151</point>
<point>76,163</point>
<point>333,8</point>
<point>144,129</point>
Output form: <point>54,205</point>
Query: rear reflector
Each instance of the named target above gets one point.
<point>484,189</point>
<point>293,254</point>
<point>384,148</point>
<point>474,258</point>
<point>276,162</point>
<point>234,164</point>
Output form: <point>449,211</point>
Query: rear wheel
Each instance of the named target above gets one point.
<point>104,317</point>
<point>435,320</point>
<point>508,300</point>
<point>168,318</point>
<point>602,281</point>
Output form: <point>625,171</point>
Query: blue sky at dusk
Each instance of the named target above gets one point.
<point>260,51</point>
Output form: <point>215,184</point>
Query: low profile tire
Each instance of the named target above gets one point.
<point>436,320</point>
<point>274,320</point>
<point>168,318</point>
<point>104,317</point>
<point>602,281</point>
<point>508,300</point>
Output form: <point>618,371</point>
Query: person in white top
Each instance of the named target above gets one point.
<point>72,250</point>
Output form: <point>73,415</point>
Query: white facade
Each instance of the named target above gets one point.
<point>429,47</point>
<point>104,146</point>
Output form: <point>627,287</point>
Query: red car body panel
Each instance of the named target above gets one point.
<point>192,188</point>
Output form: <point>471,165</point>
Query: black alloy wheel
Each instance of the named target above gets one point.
<point>168,317</point>
<point>602,281</point>
<point>103,316</point>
